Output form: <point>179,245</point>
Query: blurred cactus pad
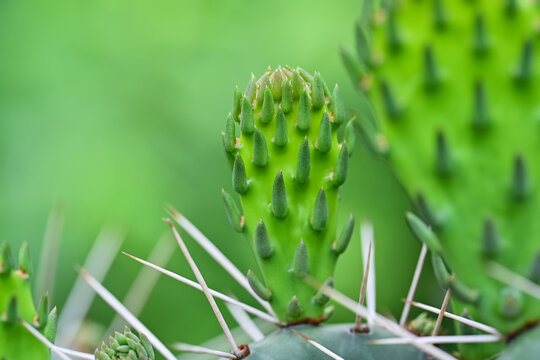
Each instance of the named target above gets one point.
<point>454,86</point>
<point>288,165</point>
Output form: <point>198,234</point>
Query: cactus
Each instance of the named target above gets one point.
<point>288,166</point>
<point>126,346</point>
<point>453,86</point>
<point>16,305</point>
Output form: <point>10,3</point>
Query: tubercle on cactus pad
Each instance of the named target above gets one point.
<point>16,305</point>
<point>288,166</point>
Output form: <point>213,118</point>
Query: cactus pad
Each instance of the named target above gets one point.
<point>454,85</point>
<point>288,166</point>
<point>16,304</point>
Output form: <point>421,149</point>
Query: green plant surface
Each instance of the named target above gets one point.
<point>286,344</point>
<point>288,166</point>
<point>16,304</point>
<point>526,346</point>
<point>454,92</point>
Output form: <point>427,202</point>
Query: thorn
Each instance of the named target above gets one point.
<point>205,289</point>
<point>423,233</point>
<point>287,97</point>
<point>55,349</point>
<point>262,242</point>
<point>279,197</point>
<point>246,117</point>
<point>341,244</point>
<point>319,346</point>
<point>229,140</point>
<point>304,112</point>
<point>490,239</point>
<point>510,278</point>
<point>414,285</point>
<point>293,308</point>
<point>301,260</point>
<point>233,213</point>
<point>480,41</point>
<point>202,350</point>
<point>439,15</point>
<point>193,284</point>
<point>481,119</point>
<point>445,339</point>
<point>267,112</point>
<point>239,179</point>
<point>43,311</point>
<point>393,110</point>
<point>258,287</point>
<point>535,269</point>
<point>260,150</point>
<point>339,175</point>
<point>303,164</point>
<point>297,84</point>
<point>6,259</point>
<point>25,264</point>
<point>444,160</point>
<point>358,328</point>
<point>282,137</point>
<point>317,92</point>
<point>324,142</point>
<point>250,89</point>
<point>338,107</point>
<point>237,104</point>
<point>523,73</point>
<point>319,218</point>
<point>520,182</point>
<point>363,50</point>
<point>440,318</point>
<point>320,298</point>
<point>510,303</point>
<point>276,83</point>
<point>431,73</point>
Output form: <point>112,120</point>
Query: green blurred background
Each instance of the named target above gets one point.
<point>111,109</point>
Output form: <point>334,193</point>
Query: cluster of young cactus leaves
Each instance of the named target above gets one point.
<point>452,88</point>
<point>17,305</point>
<point>126,346</point>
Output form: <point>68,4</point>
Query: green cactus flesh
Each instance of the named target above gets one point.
<point>16,304</point>
<point>286,344</point>
<point>126,346</point>
<point>288,166</point>
<point>455,86</point>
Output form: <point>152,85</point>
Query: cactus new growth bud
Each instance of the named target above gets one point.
<point>288,169</point>
<point>455,95</point>
<point>126,346</point>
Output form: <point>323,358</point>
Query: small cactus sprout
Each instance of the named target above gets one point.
<point>126,346</point>
<point>455,96</point>
<point>17,307</point>
<point>288,166</point>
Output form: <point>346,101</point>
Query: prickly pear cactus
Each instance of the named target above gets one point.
<point>16,305</point>
<point>288,166</point>
<point>126,346</point>
<point>454,86</point>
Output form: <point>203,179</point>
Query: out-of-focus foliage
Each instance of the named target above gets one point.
<point>114,108</point>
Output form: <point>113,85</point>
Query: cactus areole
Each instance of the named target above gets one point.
<point>288,167</point>
<point>455,88</point>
